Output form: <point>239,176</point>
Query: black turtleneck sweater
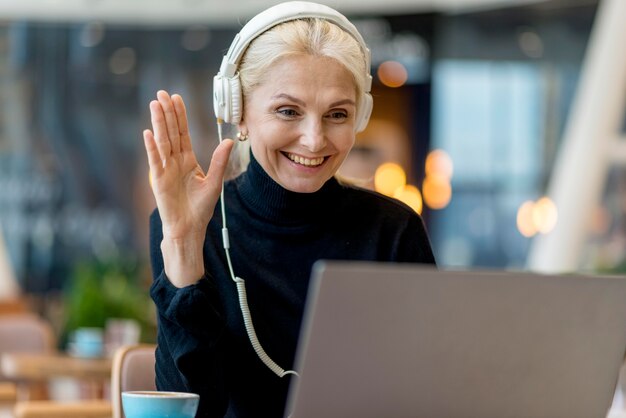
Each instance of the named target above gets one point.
<point>275,236</point>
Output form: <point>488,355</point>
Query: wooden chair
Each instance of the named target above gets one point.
<point>133,369</point>
<point>25,333</point>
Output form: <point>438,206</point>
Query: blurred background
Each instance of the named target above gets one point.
<point>479,109</point>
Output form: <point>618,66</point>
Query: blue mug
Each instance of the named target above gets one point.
<point>156,404</point>
<point>87,342</point>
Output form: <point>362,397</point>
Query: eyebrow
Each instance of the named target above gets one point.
<point>301,102</point>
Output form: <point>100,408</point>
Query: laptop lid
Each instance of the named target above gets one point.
<point>402,340</point>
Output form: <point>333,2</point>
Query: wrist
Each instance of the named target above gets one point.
<point>183,260</point>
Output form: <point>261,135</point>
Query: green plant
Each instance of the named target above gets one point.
<point>98,291</point>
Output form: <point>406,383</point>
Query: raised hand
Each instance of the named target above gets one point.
<point>185,195</point>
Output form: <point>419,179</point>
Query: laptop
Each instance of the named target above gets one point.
<point>404,340</point>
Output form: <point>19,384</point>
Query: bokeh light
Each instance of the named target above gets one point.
<point>525,224</point>
<point>195,38</point>
<point>437,191</point>
<point>392,74</point>
<point>540,216</point>
<point>388,178</point>
<point>411,196</point>
<point>544,215</point>
<point>439,162</point>
<point>122,61</point>
<point>91,34</point>
<point>531,43</point>
<point>601,220</point>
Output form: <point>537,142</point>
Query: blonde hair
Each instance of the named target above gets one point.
<point>310,36</point>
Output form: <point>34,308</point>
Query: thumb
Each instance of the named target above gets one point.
<point>219,162</point>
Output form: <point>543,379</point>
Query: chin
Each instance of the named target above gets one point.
<point>304,187</point>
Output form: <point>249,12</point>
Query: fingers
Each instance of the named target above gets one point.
<point>171,120</point>
<point>154,158</point>
<point>183,128</point>
<point>219,162</point>
<point>169,123</point>
<point>161,138</point>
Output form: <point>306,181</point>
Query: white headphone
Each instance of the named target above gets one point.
<point>227,96</point>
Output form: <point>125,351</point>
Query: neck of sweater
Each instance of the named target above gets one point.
<point>270,201</point>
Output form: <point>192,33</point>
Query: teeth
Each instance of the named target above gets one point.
<point>309,162</point>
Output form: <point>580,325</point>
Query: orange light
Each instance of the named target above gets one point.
<point>525,224</point>
<point>392,74</point>
<point>439,162</point>
<point>410,196</point>
<point>600,220</point>
<point>388,178</point>
<point>437,191</point>
<point>544,215</point>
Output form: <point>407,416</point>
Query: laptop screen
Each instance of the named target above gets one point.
<point>402,340</point>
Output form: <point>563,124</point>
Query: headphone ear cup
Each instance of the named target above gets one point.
<point>236,101</point>
<point>364,112</point>
<point>220,93</point>
<point>227,102</point>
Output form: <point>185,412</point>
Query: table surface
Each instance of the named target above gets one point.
<point>48,365</point>
<point>52,409</point>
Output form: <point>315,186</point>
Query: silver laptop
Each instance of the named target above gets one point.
<point>394,340</point>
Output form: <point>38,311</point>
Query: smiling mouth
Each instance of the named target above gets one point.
<point>307,162</point>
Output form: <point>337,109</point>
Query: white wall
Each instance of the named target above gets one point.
<point>213,12</point>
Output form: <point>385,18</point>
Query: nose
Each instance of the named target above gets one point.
<point>313,137</point>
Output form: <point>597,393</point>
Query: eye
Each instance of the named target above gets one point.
<point>338,115</point>
<point>287,112</point>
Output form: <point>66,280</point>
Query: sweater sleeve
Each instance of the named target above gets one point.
<point>190,334</point>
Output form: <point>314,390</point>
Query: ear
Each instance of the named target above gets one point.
<point>241,127</point>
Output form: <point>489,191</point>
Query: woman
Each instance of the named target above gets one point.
<point>303,84</point>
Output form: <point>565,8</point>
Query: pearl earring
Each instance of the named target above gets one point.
<point>241,136</point>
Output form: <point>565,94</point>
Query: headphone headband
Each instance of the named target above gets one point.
<point>281,13</point>
<point>227,90</point>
